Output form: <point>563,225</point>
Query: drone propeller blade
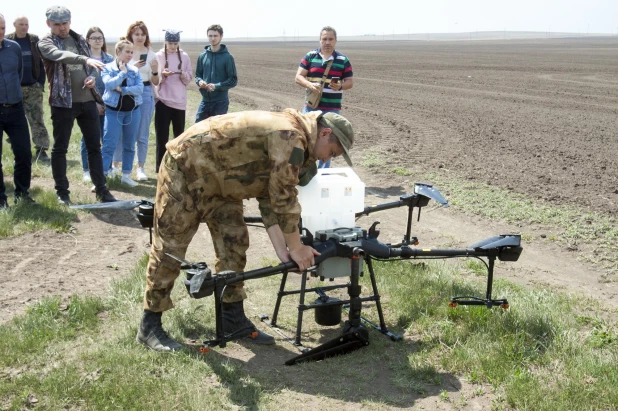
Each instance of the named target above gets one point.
<point>486,241</point>
<point>116,205</point>
<point>430,191</point>
<point>505,241</point>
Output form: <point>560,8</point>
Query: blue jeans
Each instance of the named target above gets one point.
<point>143,132</point>
<point>120,125</point>
<point>83,149</point>
<point>211,108</point>
<point>13,122</point>
<point>306,109</point>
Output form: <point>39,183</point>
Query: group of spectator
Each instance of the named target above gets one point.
<point>113,97</point>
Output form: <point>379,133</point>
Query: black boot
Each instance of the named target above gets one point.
<point>41,155</point>
<point>105,196</point>
<point>152,335</point>
<point>236,323</point>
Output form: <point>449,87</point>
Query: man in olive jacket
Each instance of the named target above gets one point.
<point>205,175</point>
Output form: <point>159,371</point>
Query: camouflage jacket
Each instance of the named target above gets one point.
<point>252,154</point>
<point>55,60</point>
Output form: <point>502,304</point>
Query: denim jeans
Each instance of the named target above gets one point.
<point>82,148</point>
<point>87,117</point>
<point>306,109</point>
<point>120,126</point>
<point>13,122</point>
<point>211,108</point>
<point>143,132</point>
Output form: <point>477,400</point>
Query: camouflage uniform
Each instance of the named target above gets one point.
<point>33,104</point>
<point>206,173</point>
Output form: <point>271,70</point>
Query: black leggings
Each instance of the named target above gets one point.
<point>163,116</point>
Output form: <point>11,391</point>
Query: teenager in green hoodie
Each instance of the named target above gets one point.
<point>215,75</point>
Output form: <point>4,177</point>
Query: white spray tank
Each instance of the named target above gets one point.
<point>331,199</point>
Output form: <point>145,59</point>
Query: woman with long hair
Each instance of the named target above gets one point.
<point>145,60</point>
<point>98,51</point>
<point>122,98</point>
<point>175,76</point>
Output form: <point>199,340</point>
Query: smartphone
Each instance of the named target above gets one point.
<point>334,80</point>
<point>143,57</point>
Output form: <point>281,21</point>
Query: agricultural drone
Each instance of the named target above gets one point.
<point>342,254</point>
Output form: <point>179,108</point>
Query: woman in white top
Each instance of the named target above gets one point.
<point>137,33</point>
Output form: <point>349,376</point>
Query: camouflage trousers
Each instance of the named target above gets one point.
<point>177,216</point>
<point>33,104</point>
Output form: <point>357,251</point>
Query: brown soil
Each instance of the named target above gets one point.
<point>536,117</point>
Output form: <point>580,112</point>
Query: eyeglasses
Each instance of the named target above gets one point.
<point>96,38</point>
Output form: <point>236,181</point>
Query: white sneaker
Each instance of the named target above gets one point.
<point>93,189</point>
<point>128,181</point>
<point>141,174</point>
<point>87,177</point>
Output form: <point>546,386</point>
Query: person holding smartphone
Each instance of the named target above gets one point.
<point>145,60</point>
<point>339,77</point>
<point>176,74</point>
<point>122,98</point>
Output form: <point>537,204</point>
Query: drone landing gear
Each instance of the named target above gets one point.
<point>355,334</point>
<point>487,301</point>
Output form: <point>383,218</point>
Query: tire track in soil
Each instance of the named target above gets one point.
<point>258,99</point>
<point>416,143</point>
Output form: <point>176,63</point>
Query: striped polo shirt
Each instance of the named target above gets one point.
<point>315,66</point>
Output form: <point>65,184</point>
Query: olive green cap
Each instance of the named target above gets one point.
<point>342,129</point>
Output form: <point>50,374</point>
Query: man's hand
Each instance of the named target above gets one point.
<point>101,109</point>
<point>95,63</point>
<point>303,256</point>
<point>338,86</point>
<point>89,82</point>
<point>210,87</point>
<point>203,84</point>
<point>314,87</point>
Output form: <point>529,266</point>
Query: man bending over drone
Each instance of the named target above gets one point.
<point>205,175</point>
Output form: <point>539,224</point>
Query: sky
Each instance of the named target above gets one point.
<point>273,18</point>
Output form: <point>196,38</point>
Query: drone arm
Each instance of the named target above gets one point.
<point>327,249</point>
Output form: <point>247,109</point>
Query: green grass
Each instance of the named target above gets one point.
<point>542,353</point>
<point>48,214</point>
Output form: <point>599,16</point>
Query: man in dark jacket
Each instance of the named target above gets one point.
<point>13,119</point>
<point>71,74</point>
<point>215,75</point>
<point>32,84</point>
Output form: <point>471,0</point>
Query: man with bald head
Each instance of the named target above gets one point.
<point>32,84</point>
